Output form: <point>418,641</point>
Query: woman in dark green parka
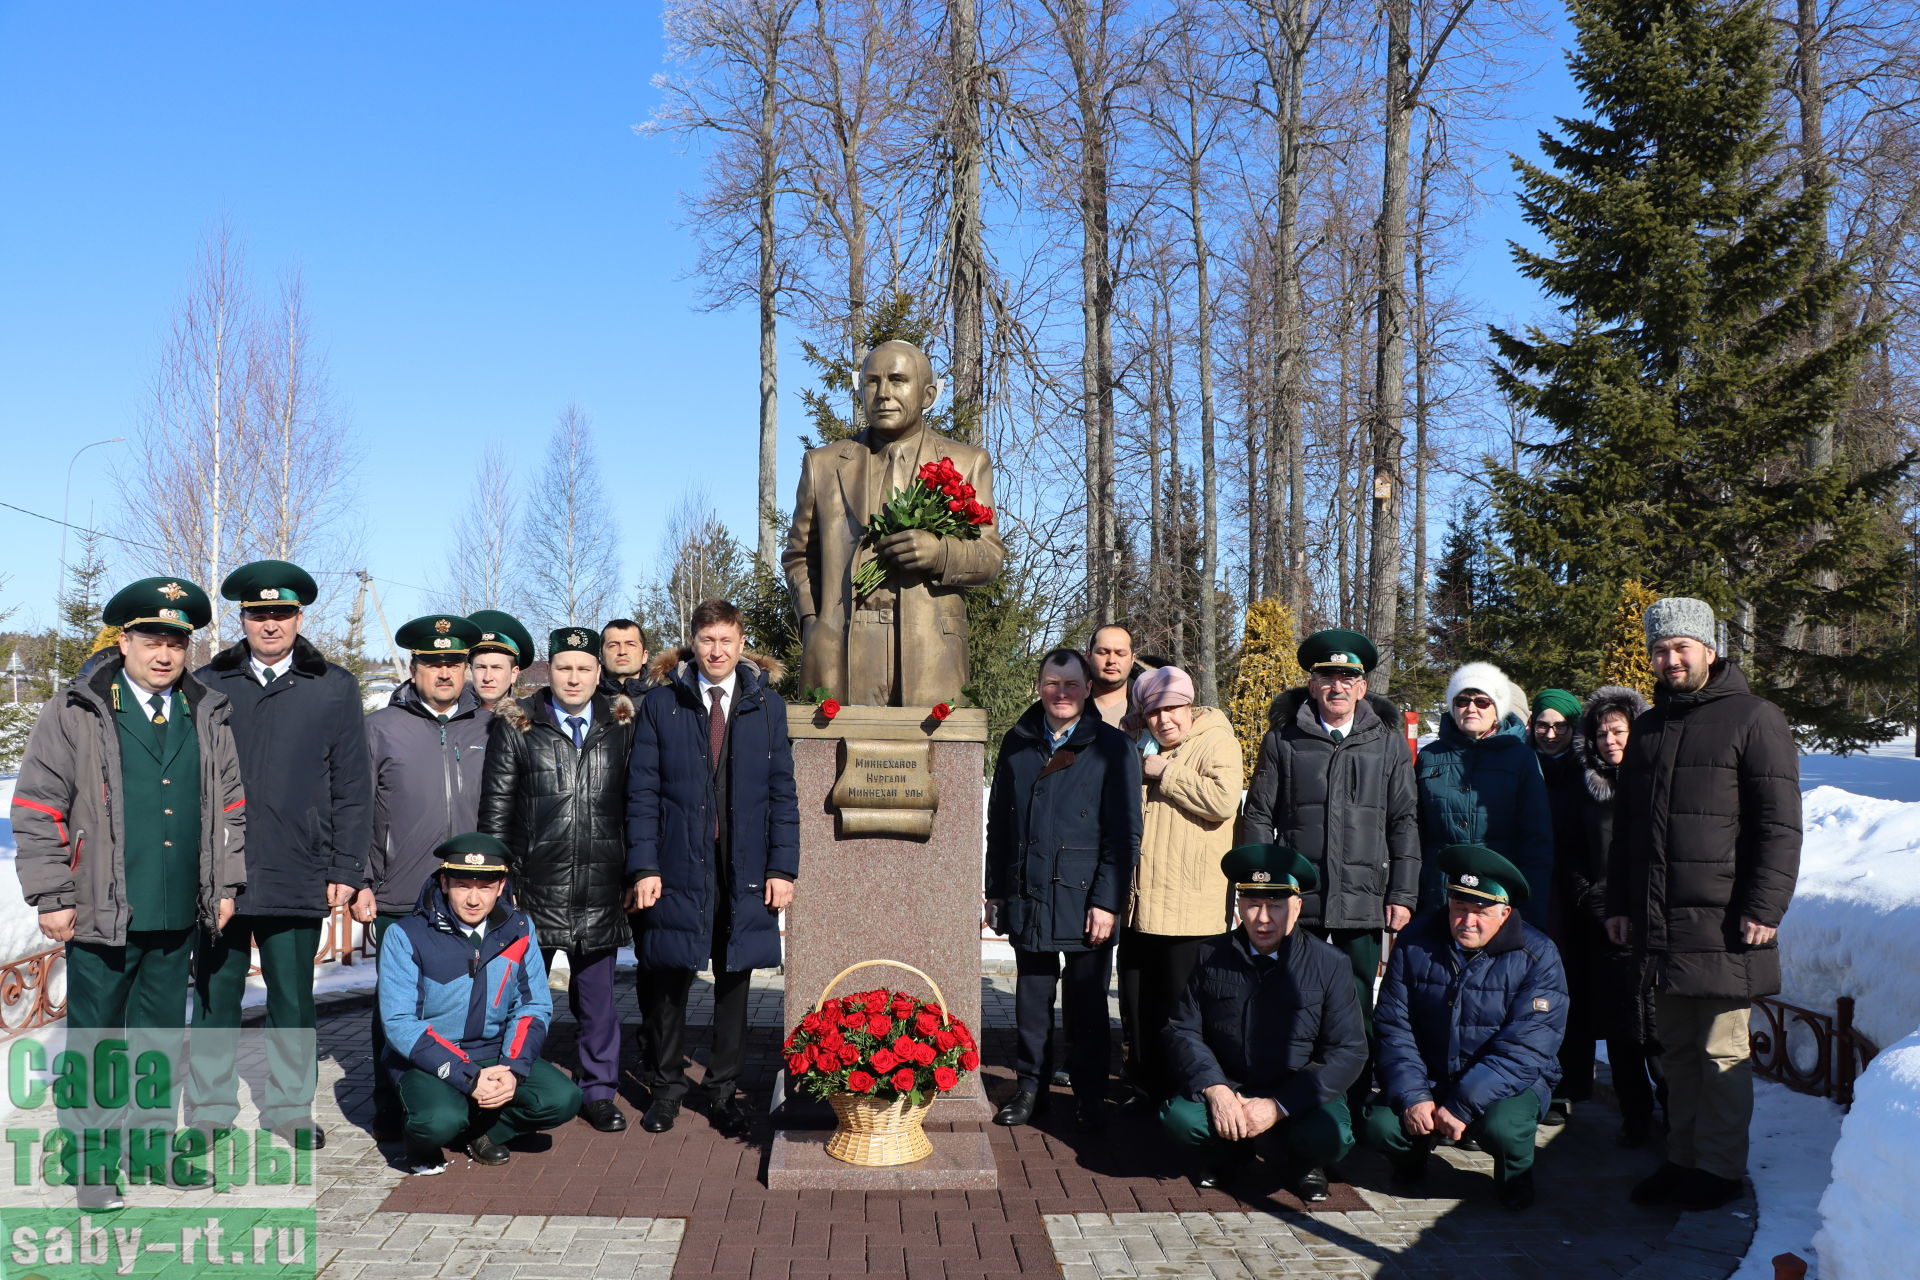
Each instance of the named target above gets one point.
<point>1480,783</point>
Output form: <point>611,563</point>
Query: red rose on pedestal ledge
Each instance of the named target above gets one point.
<point>941,712</point>
<point>830,708</point>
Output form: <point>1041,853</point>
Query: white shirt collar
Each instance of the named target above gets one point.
<point>726,688</point>
<point>141,698</point>
<point>259,668</point>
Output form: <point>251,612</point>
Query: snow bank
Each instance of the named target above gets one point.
<point>1868,1229</point>
<point>1854,927</point>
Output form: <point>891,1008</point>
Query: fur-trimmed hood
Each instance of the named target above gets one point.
<point>1600,775</point>
<point>668,663</point>
<point>524,713</point>
<point>1508,698</point>
<point>307,660</point>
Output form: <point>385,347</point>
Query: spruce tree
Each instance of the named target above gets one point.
<point>1686,258</point>
<point>80,604</point>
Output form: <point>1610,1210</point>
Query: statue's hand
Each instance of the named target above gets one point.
<point>914,550</point>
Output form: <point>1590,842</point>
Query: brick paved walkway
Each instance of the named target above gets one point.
<point>690,1204</point>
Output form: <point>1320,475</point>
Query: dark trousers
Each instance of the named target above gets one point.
<point>439,1115</point>
<point>287,945</point>
<point>1154,969</point>
<point>1083,1007</point>
<point>1361,947</point>
<point>1298,1143</point>
<point>1504,1131</point>
<point>663,1028</point>
<point>590,996</point>
<point>386,1075</point>
<point>1637,1081</point>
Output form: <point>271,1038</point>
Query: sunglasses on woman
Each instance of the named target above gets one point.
<point>1479,700</point>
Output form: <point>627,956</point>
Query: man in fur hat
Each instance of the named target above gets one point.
<point>713,849</point>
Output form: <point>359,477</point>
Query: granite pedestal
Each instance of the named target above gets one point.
<point>897,897</point>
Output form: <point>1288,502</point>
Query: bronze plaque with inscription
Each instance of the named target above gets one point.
<point>885,788</point>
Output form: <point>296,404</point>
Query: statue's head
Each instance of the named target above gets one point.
<point>896,389</point>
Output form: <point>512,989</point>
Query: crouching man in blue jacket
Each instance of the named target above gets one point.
<point>464,1000</point>
<point>1469,1026</point>
<point>1268,1037</point>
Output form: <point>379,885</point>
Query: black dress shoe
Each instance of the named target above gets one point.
<point>603,1115</point>
<point>1018,1109</point>
<point>1662,1186</point>
<point>729,1118</point>
<point>1090,1114</point>
<point>1705,1191</point>
<point>660,1115</point>
<point>1311,1186</point>
<point>1225,1171</point>
<point>485,1150</point>
<point>1516,1193</point>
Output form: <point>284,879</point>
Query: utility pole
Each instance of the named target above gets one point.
<point>367,588</point>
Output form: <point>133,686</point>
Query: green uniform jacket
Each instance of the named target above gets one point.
<point>70,808</point>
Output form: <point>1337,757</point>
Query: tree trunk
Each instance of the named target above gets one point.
<point>1814,171</point>
<point>1084,39</point>
<point>768,284</point>
<point>1390,349</point>
<point>1206,686</point>
<point>967,270</point>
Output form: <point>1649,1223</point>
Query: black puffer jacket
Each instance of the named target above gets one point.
<point>1349,807</point>
<point>1063,829</point>
<point>562,810</point>
<point>1707,831</point>
<point>307,774</point>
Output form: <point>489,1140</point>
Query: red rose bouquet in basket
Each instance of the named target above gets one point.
<point>939,501</point>
<point>880,1058</point>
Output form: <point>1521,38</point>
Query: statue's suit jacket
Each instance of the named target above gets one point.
<point>850,652</point>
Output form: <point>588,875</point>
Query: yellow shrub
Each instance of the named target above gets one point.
<point>1268,667</point>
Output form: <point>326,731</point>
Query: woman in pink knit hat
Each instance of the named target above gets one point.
<point>1180,896</point>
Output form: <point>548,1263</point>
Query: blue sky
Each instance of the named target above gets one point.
<point>482,235</point>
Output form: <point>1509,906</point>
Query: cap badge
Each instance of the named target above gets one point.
<point>173,615</point>
<point>269,593</point>
<point>1470,881</point>
<point>173,591</point>
<point>475,859</point>
<point>443,626</point>
<point>488,635</point>
<point>442,642</point>
<point>1262,877</point>
<point>577,637</point>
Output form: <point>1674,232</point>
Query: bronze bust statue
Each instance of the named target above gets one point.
<point>905,644</point>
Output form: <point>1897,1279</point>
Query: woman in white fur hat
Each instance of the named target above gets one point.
<point>1480,783</point>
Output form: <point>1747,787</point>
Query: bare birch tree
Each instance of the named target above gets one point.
<point>572,563</point>
<point>483,569</point>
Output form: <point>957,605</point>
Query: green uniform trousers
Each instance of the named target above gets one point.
<point>143,984</point>
<point>287,945</point>
<point>111,991</point>
<point>1299,1142</point>
<point>386,1088</point>
<point>1505,1131</point>
<point>439,1115</point>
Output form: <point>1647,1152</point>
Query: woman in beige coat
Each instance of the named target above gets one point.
<point>1180,896</point>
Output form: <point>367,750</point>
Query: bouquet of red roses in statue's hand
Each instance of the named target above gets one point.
<point>939,502</point>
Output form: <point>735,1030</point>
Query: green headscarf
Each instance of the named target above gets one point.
<point>1556,700</point>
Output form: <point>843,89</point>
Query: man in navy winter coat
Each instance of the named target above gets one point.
<point>1268,1037</point>
<point>713,849</point>
<point>298,723</point>
<point>1468,1027</point>
<point>1063,834</point>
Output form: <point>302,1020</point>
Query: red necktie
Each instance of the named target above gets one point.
<point>716,735</point>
